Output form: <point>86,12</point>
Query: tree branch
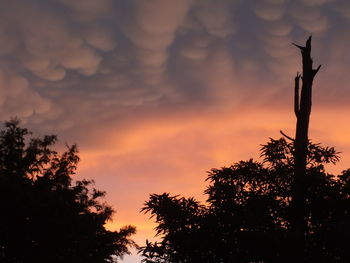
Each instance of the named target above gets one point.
<point>285,135</point>
<point>296,95</point>
<point>316,70</point>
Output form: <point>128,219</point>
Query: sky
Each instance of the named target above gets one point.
<point>157,92</point>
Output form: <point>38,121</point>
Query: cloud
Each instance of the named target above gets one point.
<point>100,37</point>
<point>152,30</point>
<point>17,98</point>
<point>88,10</point>
<point>216,17</point>
<point>99,60</point>
<point>279,28</point>
<point>343,7</point>
<point>316,2</point>
<point>269,10</point>
<point>160,16</point>
<point>310,17</point>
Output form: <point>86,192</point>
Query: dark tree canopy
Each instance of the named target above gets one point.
<point>45,216</point>
<point>247,216</point>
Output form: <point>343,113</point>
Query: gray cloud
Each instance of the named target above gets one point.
<point>82,62</point>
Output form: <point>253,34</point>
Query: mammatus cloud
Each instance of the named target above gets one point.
<point>17,96</point>
<point>113,57</point>
<point>216,18</point>
<point>269,10</point>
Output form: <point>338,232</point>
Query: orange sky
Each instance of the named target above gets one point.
<point>172,154</point>
<point>157,92</point>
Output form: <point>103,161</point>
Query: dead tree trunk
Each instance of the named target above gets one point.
<point>302,109</point>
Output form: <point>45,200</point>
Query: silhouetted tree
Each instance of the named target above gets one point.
<point>285,208</point>
<point>302,111</point>
<point>248,213</point>
<point>44,215</point>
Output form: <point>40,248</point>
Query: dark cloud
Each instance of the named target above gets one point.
<point>82,62</point>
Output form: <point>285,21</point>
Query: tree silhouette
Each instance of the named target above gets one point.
<point>285,208</point>
<point>45,216</point>
<point>302,111</point>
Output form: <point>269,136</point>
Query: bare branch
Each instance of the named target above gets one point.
<point>285,135</point>
<point>316,70</point>
<point>300,47</point>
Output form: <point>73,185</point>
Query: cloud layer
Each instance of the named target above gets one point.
<point>96,60</point>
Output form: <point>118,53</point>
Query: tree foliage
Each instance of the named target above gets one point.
<point>247,215</point>
<point>45,216</point>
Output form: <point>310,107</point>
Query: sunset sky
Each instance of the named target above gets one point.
<point>157,92</point>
